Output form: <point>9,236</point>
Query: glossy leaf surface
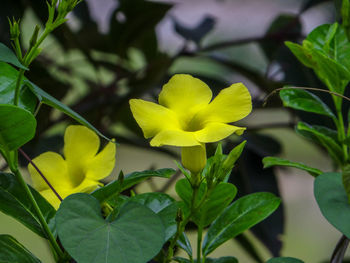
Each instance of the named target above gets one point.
<point>135,236</point>
<point>333,201</point>
<point>275,161</point>
<point>7,55</point>
<point>164,206</point>
<point>8,79</point>
<point>13,251</point>
<point>17,127</point>
<point>238,217</point>
<point>15,203</point>
<point>300,99</point>
<point>284,260</point>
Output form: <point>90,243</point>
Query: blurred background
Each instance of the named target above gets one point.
<point>111,51</point>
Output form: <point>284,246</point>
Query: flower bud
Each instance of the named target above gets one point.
<point>194,158</point>
<point>14,29</point>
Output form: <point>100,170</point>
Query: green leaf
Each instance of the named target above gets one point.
<point>12,251</point>
<point>8,79</point>
<point>300,99</point>
<point>15,203</point>
<point>6,55</point>
<point>238,217</point>
<point>323,136</point>
<point>17,127</point>
<point>137,177</point>
<point>184,190</point>
<point>275,161</point>
<point>164,206</point>
<point>54,103</point>
<point>284,260</point>
<point>209,260</point>
<point>135,236</point>
<point>215,203</point>
<point>109,190</point>
<point>346,179</point>
<point>333,201</point>
<point>185,244</point>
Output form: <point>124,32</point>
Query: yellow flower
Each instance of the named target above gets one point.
<point>186,115</point>
<point>79,171</point>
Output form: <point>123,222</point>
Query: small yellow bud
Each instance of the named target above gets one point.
<point>194,158</point>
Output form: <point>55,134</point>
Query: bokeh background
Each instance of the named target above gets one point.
<point>110,51</point>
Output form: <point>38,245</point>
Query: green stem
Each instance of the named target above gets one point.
<point>199,243</point>
<point>18,86</point>
<point>39,214</point>
<point>341,129</point>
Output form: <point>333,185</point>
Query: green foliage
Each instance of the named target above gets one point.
<point>15,203</point>
<point>238,217</point>
<point>135,235</point>
<point>184,243</point>
<point>17,127</point>
<point>8,79</point>
<point>13,251</point>
<point>275,161</point>
<point>164,206</point>
<point>324,137</point>
<point>6,55</point>
<point>115,187</point>
<point>284,260</point>
<point>333,201</point>
<point>300,99</point>
<point>325,50</point>
<point>209,260</point>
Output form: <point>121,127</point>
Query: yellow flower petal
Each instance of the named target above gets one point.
<point>102,164</point>
<point>185,95</point>
<point>54,168</point>
<point>51,198</point>
<point>152,118</point>
<point>80,143</point>
<point>231,104</point>
<point>174,137</point>
<point>216,131</point>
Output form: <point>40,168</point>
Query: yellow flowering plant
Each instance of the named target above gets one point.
<point>87,221</point>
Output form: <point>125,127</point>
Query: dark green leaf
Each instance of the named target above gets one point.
<point>184,190</point>
<point>164,206</point>
<point>300,99</point>
<point>185,244</point>
<point>17,127</point>
<point>15,203</point>
<point>8,79</point>
<point>6,55</point>
<point>209,260</point>
<point>284,260</point>
<point>12,251</point>
<point>137,177</point>
<point>238,217</point>
<point>275,161</point>
<point>216,201</point>
<point>323,136</point>
<point>333,201</point>
<point>346,179</point>
<point>52,102</point>
<point>135,236</point>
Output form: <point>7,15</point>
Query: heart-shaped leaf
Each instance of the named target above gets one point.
<point>300,99</point>
<point>15,203</point>
<point>135,236</point>
<point>164,206</point>
<point>284,260</point>
<point>275,161</point>
<point>333,201</point>
<point>13,251</point>
<point>238,217</point>
<point>8,79</point>
<point>6,55</point>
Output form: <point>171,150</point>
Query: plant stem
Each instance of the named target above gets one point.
<point>18,86</point>
<point>39,214</point>
<point>199,243</point>
<point>339,250</point>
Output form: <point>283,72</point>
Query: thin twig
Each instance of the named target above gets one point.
<point>339,250</point>
<point>41,174</point>
<point>303,88</point>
